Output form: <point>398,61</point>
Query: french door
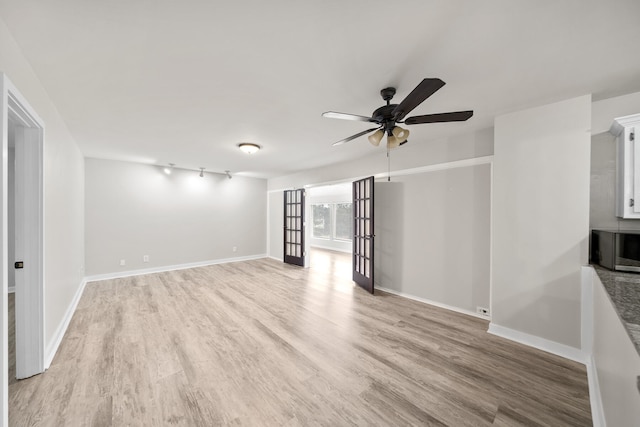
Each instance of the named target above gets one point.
<point>363,233</point>
<point>294,227</point>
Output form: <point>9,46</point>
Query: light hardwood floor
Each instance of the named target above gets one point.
<point>264,343</point>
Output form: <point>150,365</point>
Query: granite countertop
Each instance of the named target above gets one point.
<point>624,290</point>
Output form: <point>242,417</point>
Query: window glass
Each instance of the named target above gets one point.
<point>322,221</point>
<point>344,221</point>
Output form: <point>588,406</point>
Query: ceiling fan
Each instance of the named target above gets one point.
<point>388,115</point>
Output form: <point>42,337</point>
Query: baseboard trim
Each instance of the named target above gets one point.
<point>275,258</point>
<point>543,344</point>
<point>120,274</point>
<point>597,411</point>
<point>11,290</point>
<point>434,303</point>
<point>52,348</point>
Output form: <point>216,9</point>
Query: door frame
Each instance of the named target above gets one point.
<point>30,311</point>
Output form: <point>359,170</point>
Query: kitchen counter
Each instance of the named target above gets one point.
<point>624,291</point>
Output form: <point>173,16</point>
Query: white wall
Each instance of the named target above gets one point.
<point>437,286</point>
<point>63,197</point>
<point>135,209</point>
<point>540,220</point>
<point>432,236</point>
<point>275,219</point>
<point>605,110</point>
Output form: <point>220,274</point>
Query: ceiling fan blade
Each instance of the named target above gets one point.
<point>424,90</point>
<point>457,116</point>
<point>357,135</point>
<point>345,116</point>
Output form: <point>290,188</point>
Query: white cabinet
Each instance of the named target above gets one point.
<point>627,166</point>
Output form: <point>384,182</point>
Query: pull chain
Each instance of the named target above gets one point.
<point>388,164</point>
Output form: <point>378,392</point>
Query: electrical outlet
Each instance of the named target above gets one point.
<point>145,258</point>
<point>483,311</point>
<point>235,249</point>
<point>123,262</point>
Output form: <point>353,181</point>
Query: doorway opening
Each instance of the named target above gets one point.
<point>333,217</point>
<point>330,235</point>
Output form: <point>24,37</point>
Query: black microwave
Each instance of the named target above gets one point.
<point>616,250</point>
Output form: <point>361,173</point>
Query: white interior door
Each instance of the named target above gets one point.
<point>28,252</point>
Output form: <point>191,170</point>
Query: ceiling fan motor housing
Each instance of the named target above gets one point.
<point>384,115</point>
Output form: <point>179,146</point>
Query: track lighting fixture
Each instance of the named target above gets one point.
<point>201,172</point>
<point>228,174</point>
<point>169,169</point>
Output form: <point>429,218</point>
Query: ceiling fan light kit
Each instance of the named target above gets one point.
<point>388,115</point>
<point>400,133</point>
<point>376,137</point>
<point>392,142</point>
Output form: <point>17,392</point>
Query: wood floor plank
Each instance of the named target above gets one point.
<point>265,343</point>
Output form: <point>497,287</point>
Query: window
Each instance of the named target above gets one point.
<point>332,221</point>
<point>344,221</point>
<point>322,221</point>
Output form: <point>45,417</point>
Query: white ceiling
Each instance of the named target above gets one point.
<point>159,81</point>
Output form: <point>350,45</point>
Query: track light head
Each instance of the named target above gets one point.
<point>169,169</point>
<point>201,172</point>
<point>228,174</point>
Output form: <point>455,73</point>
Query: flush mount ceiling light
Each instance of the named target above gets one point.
<point>248,147</point>
<point>168,170</point>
